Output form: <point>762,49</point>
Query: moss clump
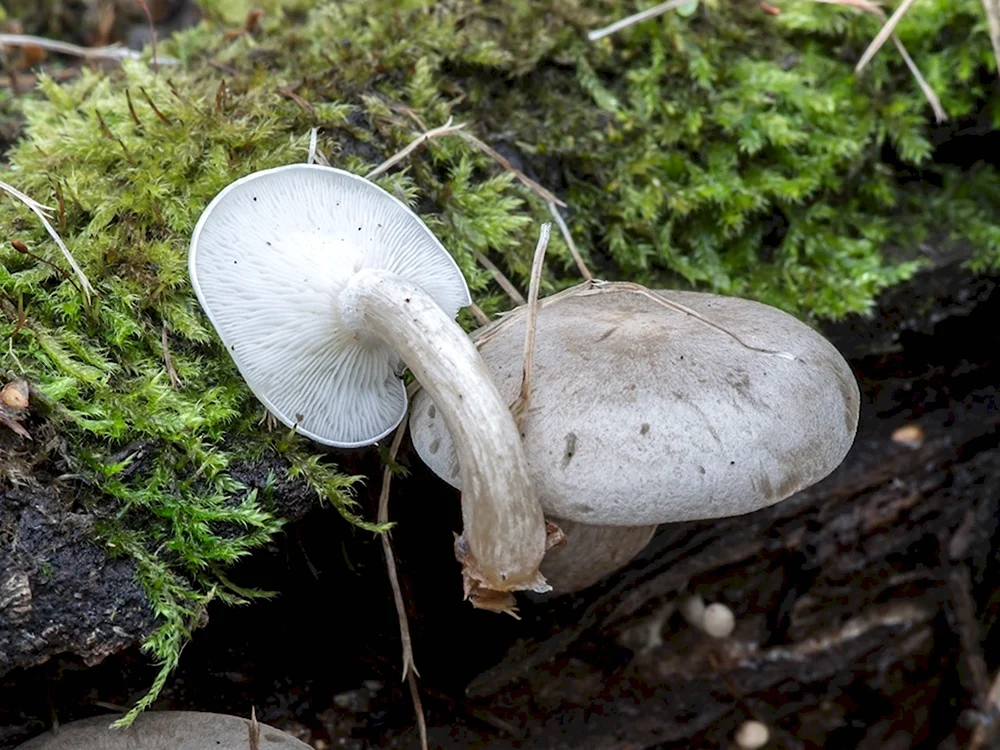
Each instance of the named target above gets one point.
<point>728,150</point>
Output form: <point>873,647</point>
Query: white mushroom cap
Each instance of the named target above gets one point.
<point>718,620</point>
<point>269,258</point>
<point>163,730</point>
<point>643,414</point>
<point>752,735</point>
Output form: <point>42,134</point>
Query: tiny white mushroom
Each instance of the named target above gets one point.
<point>319,283</point>
<point>164,730</point>
<point>655,407</point>
<point>692,608</point>
<point>752,735</point>
<point>718,620</point>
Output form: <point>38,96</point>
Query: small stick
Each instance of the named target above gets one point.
<point>477,313</point>
<point>446,129</point>
<point>288,93</point>
<point>409,666</point>
<point>109,52</point>
<point>529,183</point>
<point>522,403</point>
<point>499,277</point>
<point>656,10</point>
<point>564,231</point>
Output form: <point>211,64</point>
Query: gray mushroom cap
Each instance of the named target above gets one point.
<point>163,730</point>
<point>650,408</point>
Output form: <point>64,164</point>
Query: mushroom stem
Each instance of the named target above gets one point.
<point>504,532</point>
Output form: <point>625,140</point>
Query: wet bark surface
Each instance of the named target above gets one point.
<point>865,606</point>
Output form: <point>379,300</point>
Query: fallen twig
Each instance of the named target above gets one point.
<point>446,129</point>
<point>410,672</point>
<point>506,284</point>
<point>529,183</point>
<point>477,313</point>
<point>109,52</point>
<point>656,10</point>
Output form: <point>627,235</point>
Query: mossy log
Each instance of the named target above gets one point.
<point>731,150</point>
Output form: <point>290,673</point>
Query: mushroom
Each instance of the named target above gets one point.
<point>650,408</point>
<point>165,730</point>
<point>752,735</point>
<point>318,282</point>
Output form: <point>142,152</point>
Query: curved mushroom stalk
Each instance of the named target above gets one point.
<point>591,553</point>
<point>503,537</point>
<point>318,283</point>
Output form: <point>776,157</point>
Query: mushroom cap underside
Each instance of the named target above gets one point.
<point>650,408</point>
<point>268,260</point>
<point>163,730</point>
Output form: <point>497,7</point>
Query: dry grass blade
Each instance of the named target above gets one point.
<point>529,183</point>
<point>568,238</point>
<point>109,52</point>
<point>939,114</point>
<point>409,666</point>
<point>253,730</point>
<point>39,210</point>
<point>506,284</point>
<point>656,10</point>
<point>884,33</point>
<point>315,155</point>
<point>992,10</point>
<point>446,129</point>
<point>477,313</point>
<point>522,403</point>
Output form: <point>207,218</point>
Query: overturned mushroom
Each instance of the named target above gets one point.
<point>318,283</point>
<point>650,408</point>
<point>166,730</point>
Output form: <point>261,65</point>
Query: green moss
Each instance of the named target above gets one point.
<point>727,150</point>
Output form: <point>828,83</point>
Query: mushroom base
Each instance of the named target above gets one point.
<point>591,553</point>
